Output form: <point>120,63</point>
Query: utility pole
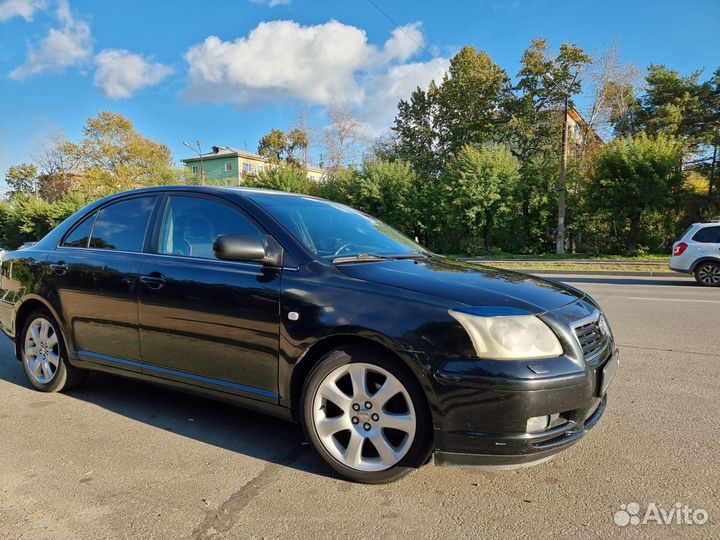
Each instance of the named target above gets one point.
<point>562,184</point>
<point>562,187</point>
<point>198,150</point>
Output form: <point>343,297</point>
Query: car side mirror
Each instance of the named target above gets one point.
<point>235,247</point>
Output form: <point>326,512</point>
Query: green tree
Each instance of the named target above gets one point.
<point>469,100</point>
<point>635,175</point>
<point>22,179</point>
<point>27,219</point>
<point>415,138</point>
<point>298,140</point>
<point>390,186</point>
<point>710,136</point>
<point>345,186</point>
<point>533,132</point>
<point>115,157</point>
<point>284,177</point>
<point>273,145</point>
<point>478,181</point>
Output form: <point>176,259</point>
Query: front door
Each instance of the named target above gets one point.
<point>204,321</point>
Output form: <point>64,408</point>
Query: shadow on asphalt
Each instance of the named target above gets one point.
<point>219,424</point>
<point>622,281</point>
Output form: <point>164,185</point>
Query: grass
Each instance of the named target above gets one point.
<point>504,256</point>
<point>540,266</point>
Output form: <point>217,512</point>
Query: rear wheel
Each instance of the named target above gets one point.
<point>44,356</point>
<point>707,274</point>
<point>366,416</point>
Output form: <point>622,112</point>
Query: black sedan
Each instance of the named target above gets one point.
<point>309,310</point>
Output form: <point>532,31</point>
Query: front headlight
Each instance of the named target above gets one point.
<point>512,337</point>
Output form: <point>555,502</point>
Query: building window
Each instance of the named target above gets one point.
<point>194,169</point>
<point>228,166</point>
<point>261,168</point>
<point>248,167</point>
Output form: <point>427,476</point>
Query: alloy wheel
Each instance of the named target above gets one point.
<point>709,274</point>
<point>364,417</point>
<point>42,351</point>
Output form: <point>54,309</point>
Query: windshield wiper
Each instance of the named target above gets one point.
<point>416,255</point>
<point>361,257</point>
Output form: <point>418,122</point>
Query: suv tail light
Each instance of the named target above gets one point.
<point>680,249</point>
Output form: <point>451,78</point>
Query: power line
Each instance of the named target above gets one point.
<point>402,29</point>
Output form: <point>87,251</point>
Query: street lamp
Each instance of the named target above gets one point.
<point>562,184</point>
<point>202,165</point>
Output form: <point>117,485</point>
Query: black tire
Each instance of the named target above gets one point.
<point>421,446</point>
<point>65,376</point>
<point>707,274</point>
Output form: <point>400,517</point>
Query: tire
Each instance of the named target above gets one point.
<point>44,355</point>
<point>707,274</point>
<point>372,445</point>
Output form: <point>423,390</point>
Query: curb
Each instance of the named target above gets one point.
<point>619,273</point>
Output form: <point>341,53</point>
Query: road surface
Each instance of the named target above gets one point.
<point>121,459</point>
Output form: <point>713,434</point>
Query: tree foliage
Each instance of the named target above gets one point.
<point>636,175</point>
<point>273,145</point>
<point>283,177</point>
<point>479,182</point>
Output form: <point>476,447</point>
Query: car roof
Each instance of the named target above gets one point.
<point>708,223</point>
<point>248,192</point>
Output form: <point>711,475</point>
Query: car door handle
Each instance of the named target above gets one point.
<point>154,280</point>
<point>59,268</point>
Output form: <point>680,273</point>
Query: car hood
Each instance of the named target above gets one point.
<point>471,284</point>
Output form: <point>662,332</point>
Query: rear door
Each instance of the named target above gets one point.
<point>708,242</point>
<point>95,281</point>
<point>204,321</point>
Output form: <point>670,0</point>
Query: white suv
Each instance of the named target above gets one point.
<point>698,252</point>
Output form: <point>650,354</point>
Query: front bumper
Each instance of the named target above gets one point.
<point>484,411</point>
<point>536,448</point>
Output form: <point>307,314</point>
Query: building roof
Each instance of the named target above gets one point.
<point>221,152</point>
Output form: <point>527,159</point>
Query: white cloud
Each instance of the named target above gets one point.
<point>404,43</point>
<point>388,88</point>
<point>120,74</point>
<point>279,59</point>
<point>26,9</point>
<point>63,47</point>
<point>272,3</point>
<point>318,64</point>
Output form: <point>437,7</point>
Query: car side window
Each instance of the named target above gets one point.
<point>708,235</point>
<point>191,225</point>
<point>80,235</point>
<point>122,226</point>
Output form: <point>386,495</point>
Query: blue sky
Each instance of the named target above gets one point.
<point>225,72</point>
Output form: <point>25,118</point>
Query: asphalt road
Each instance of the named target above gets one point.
<point>120,459</point>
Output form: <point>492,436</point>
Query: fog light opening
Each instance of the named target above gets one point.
<point>536,424</point>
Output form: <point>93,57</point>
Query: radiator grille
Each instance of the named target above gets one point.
<point>591,338</point>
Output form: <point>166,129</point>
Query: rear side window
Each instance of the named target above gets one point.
<point>708,235</point>
<point>80,235</point>
<point>122,226</point>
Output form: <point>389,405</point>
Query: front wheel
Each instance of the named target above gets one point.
<point>708,274</point>
<point>44,356</point>
<point>366,416</point>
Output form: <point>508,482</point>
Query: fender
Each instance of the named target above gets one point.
<point>292,373</point>
<point>703,260</point>
<point>22,305</point>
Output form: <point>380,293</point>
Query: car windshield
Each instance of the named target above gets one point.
<point>333,231</point>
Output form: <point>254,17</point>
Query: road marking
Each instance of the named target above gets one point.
<point>671,299</point>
